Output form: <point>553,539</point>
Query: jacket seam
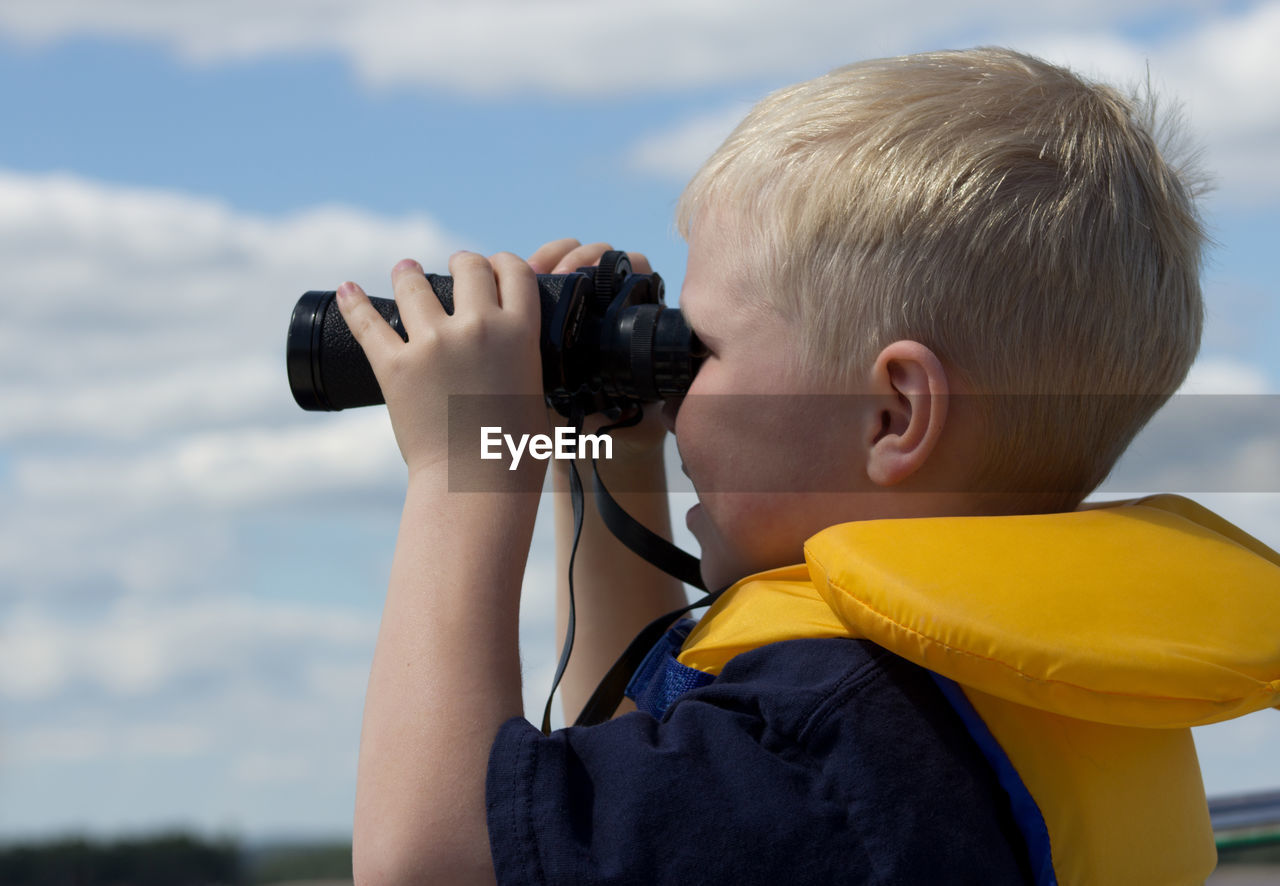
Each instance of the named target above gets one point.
<point>845,688</point>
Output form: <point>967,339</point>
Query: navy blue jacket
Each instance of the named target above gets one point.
<point>806,761</point>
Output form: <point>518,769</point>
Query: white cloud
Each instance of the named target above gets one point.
<point>234,468</point>
<point>1205,443</point>
<point>57,745</point>
<point>148,313</point>
<point>676,153</point>
<point>170,515</point>
<point>72,744</point>
<point>141,647</point>
<point>1217,62</point>
<point>1218,375</point>
<point>1219,433</point>
<point>222,696</point>
<point>281,768</point>
<point>566,46</point>
<point>143,386</point>
<point>1221,72</point>
<point>1223,747</point>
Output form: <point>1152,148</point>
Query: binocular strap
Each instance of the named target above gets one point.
<point>649,546</point>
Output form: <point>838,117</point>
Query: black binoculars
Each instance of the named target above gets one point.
<point>608,341</point>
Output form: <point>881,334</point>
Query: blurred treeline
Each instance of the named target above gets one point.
<point>183,860</point>
<point>1262,850</point>
<point>169,860</point>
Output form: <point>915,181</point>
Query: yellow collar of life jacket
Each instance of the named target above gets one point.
<point>1088,642</point>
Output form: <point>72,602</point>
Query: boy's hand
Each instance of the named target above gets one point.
<point>567,255</point>
<point>488,346</point>
<point>630,444</point>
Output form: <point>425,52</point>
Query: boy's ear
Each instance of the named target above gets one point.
<point>909,393</point>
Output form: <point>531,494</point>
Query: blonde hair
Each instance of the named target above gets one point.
<point>1015,218</point>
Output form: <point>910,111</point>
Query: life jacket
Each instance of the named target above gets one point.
<point>1088,643</point>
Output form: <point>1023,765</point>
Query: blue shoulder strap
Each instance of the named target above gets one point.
<point>660,679</point>
<point>1026,812</point>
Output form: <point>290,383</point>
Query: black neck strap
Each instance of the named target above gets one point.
<point>646,544</point>
<point>575,496</point>
<point>649,546</point>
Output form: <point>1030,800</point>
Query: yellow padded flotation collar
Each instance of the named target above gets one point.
<point>1088,642</point>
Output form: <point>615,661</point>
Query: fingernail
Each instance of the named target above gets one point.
<point>407,265</point>
<point>346,290</point>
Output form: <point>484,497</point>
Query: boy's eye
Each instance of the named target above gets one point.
<point>697,347</point>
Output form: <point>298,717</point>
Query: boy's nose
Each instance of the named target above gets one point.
<point>669,409</point>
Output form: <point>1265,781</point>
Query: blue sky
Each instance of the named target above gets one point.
<point>191,569</point>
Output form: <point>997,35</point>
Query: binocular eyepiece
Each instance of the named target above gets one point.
<point>607,340</point>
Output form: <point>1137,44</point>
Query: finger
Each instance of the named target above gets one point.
<point>640,263</point>
<point>474,288</point>
<point>374,334</point>
<point>415,298</point>
<point>580,257</point>
<point>548,255</point>
<point>517,289</point>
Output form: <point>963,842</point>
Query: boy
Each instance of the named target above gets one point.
<point>948,287</point>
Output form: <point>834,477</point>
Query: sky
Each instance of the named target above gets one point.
<point>192,568</point>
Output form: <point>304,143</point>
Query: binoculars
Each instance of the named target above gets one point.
<point>608,341</point>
